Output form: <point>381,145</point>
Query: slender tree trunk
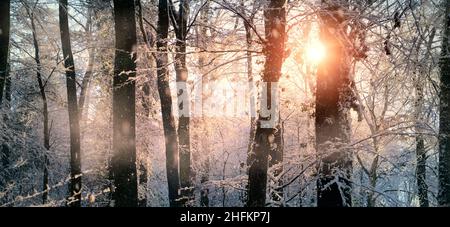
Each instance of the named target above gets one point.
<point>181,71</point>
<point>275,24</point>
<point>421,154</point>
<point>332,113</point>
<point>75,155</point>
<point>124,122</point>
<point>206,91</point>
<point>373,178</point>
<point>37,59</point>
<point>90,67</point>
<point>4,43</point>
<point>149,42</point>
<point>444,114</point>
<point>422,187</point>
<point>252,101</point>
<point>170,132</point>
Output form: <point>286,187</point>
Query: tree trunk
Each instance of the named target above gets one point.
<point>276,160</point>
<point>90,67</point>
<point>373,178</point>
<point>170,132</point>
<point>252,101</point>
<point>332,113</point>
<point>421,153</point>
<point>4,43</point>
<point>422,187</point>
<point>275,23</point>
<point>124,122</point>
<point>181,71</point>
<point>41,84</point>
<point>75,156</point>
<point>444,114</point>
<point>8,85</point>
<point>149,42</point>
<point>206,91</point>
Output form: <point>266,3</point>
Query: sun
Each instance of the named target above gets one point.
<point>315,52</point>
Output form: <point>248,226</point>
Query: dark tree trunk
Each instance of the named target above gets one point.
<point>124,122</point>
<point>276,160</point>
<point>332,114</point>
<point>75,156</point>
<point>41,84</point>
<point>422,187</point>
<point>444,114</point>
<point>373,178</point>
<point>4,43</point>
<point>170,132</point>
<point>275,25</point>
<point>181,71</point>
<point>421,154</point>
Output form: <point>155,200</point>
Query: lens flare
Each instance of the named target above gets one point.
<point>315,52</point>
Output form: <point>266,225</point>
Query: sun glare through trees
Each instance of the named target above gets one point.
<point>224,103</point>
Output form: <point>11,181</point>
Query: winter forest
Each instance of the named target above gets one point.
<point>225,103</point>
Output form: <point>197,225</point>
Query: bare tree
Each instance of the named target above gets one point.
<point>333,99</point>
<point>170,132</point>
<point>91,61</point>
<point>75,154</point>
<point>421,152</point>
<point>124,123</point>
<point>179,21</point>
<point>275,30</point>
<point>43,94</point>
<point>202,39</point>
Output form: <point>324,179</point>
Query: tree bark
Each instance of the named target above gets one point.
<point>75,155</point>
<point>124,108</point>
<point>444,113</point>
<point>276,160</point>
<point>181,71</point>
<point>422,187</point>
<point>4,43</point>
<point>421,153</point>
<point>252,103</point>
<point>275,25</point>
<point>332,121</point>
<point>170,132</point>
<point>373,177</point>
<point>252,99</point>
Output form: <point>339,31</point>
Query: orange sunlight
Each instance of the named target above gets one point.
<point>315,52</point>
